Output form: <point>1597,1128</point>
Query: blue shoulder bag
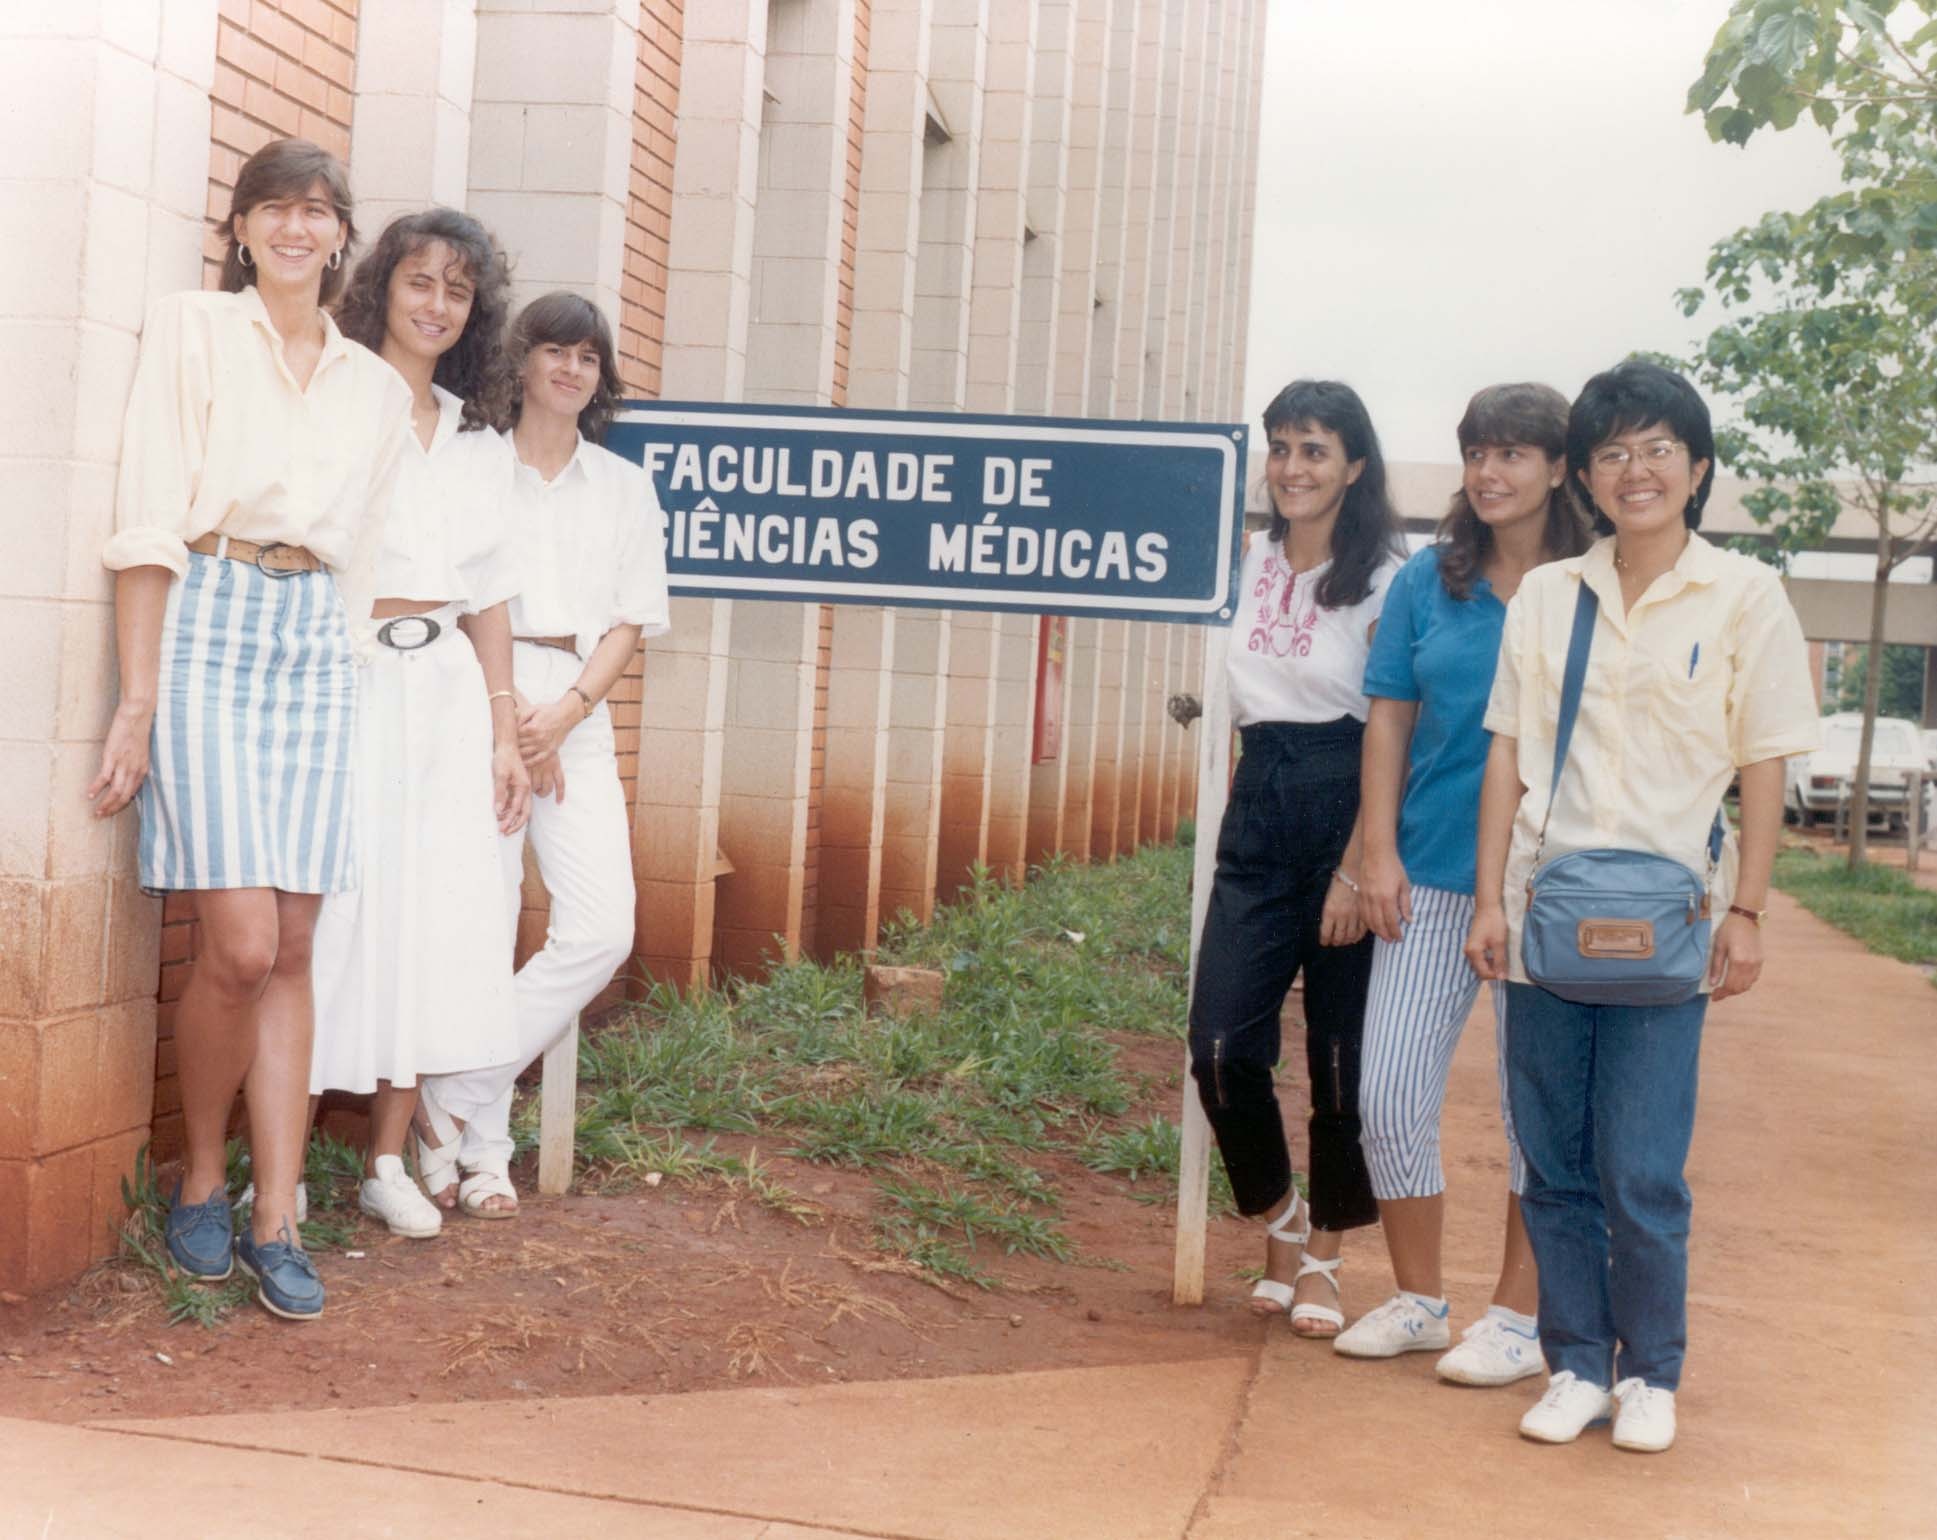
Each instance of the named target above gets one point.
<point>1612,927</point>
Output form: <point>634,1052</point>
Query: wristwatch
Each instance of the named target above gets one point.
<point>1748,914</point>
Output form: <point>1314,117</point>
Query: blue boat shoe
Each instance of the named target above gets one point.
<point>288,1285</point>
<point>201,1237</point>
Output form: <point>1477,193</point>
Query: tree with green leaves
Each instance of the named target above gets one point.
<point>1902,694</point>
<point>1828,341</point>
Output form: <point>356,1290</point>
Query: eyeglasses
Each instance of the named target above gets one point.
<point>1656,454</point>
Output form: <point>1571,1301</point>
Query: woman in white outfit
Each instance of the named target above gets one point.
<point>413,970</point>
<point>594,582</point>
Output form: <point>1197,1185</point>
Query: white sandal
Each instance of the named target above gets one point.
<point>478,1186</point>
<point>1325,1315</point>
<point>1268,1296</point>
<point>436,1163</point>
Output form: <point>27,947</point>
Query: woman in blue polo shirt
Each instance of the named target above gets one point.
<point>1428,674</point>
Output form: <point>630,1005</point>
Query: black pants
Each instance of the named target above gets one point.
<point>1293,800</point>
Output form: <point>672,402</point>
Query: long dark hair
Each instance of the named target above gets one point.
<point>566,320</point>
<point>1367,532</point>
<point>471,368</point>
<point>286,168</point>
<point>1533,417</point>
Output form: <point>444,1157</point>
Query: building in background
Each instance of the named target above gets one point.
<point>1032,206</point>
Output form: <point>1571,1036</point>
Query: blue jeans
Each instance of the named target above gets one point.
<point>1603,1101</point>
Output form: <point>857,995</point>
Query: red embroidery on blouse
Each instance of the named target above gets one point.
<point>1281,629</point>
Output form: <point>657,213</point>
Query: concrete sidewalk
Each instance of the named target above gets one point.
<point>1806,1409</point>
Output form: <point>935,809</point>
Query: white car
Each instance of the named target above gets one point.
<point>1816,782</point>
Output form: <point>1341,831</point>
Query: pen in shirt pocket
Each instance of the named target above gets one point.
<point>1694,656</point>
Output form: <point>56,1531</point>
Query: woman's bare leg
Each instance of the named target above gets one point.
<point>1412,1235</point>
<point>216,1024</point>
<point>1519,1287</point>
<point>277,1087</point>
<point>390,1115</point>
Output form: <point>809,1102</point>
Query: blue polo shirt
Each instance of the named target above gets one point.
<point>1440,652</point>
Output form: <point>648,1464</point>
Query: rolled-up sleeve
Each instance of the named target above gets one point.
<point>1772,711</point>
<point>164,441</point>
<point>1503,705</point>
<point>640,596</point>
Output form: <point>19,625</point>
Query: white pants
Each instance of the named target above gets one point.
<point>584,850</point>
<point>1421,993</point>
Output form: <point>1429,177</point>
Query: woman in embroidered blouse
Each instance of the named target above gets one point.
<point>1698,672</point>
<point>413,970</point>
<point>1428,676</point>
<point>594,582</point>
<point>1285,898</point>
<point>256,463</point>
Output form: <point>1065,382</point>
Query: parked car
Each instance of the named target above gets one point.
<point>1816,782</point>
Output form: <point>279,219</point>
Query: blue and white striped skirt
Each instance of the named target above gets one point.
<point>249,777</point>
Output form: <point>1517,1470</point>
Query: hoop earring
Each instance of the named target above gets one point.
<point>242,255</point>
<point>336,259</point>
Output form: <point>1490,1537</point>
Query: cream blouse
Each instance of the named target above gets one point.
<point>1707,673</point>
<point>220,439</point>
<point>449,534</point>
<point>592,548</point>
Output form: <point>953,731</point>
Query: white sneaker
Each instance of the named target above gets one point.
<point>394,1198</point>
<point>1492,1352</point>
<point>1400,1325</point>
<point>1646,1421</point>
<point>248,1200</point>
<point>1569,1406</point>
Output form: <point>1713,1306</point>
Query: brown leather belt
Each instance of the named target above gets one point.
<point>271,557</point>
<point>562,643</point>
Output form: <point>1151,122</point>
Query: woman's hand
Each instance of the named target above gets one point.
<point>1486,942</point>
<point>1341,923</point>
<point>541,729</point>
<point>124,759</point>
<point>548,778</point>
<point>1385,896</point>
<point>1735,959</point>
<point>510,788</point>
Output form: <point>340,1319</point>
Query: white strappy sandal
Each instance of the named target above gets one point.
<point>1268,1296</point>
<point>436,1163</point>
<point>480,1185</point>
<point>1324,1315</point>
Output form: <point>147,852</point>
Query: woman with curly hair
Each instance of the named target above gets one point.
<point>413,970</point>
<point>594,582</point>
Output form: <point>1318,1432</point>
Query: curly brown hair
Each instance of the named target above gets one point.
<point>563,319</point>
<point>286,168</point>
<point>1531,416</point>
<point>472,369</point>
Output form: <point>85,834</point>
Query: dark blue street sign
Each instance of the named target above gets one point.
<point>1139,520</point>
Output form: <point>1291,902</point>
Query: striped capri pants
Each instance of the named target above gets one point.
<point>1421,993</point>
<point>249,768</point>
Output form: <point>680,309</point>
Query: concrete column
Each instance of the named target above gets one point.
<point>1001,207</point>
<point>1168,200</point>
<point>855,799</point>
<point>1082,205</point>
<point>945,261</point>
<point>1156,679</point>
<point>1130,761</point>
<point>1191,236</point>
<point>1205,388</point>
<point>974,658</point>
<point>551,141</point>
<point>1106,780</point>
<point>1011,730</point>
<point>1113,202</point>
<point>1042,253</point>
<point>917,715</point>
<point>104,192</point>
<point>1060,790</point>
<point>410,135</point>
<point>1156,41</point>
<point>1223,396</point>
<point>1241,246</point>
<point>1176,742</point>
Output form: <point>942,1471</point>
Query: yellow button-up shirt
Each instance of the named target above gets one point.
<point>1707,673</point>
<point>220,438</point>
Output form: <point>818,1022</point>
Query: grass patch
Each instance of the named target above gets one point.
<point>1879,905</point>
<point>953,1112</point>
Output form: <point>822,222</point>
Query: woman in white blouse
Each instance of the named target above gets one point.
<point>1285,899</point>
<point>256,462</point>
<point>593,575</point>
<point>413,970</point>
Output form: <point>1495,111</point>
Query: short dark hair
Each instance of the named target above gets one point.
<point>472,367</point>
<point>1367,532</point>
<point>1633,395</point>
<point>1528,416</point>
<point>287,168</point>
<point>565,319</point>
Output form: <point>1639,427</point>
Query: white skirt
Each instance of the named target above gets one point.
<point>413,970</point>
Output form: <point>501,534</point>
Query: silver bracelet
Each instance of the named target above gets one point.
<point>1339,873</point>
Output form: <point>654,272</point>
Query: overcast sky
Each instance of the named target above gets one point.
<point>1455,193</point>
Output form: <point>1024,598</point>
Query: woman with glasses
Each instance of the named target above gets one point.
<point>1697,672</point>
<point>256,467</point>
<point>1286,896</point>
<point>1428,675</point>
<point>413,970</point>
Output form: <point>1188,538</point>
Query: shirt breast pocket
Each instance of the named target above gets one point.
<point>1687,698</point>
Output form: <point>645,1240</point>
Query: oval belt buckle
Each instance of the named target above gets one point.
<point>275,572</point>
<point>407,633</point>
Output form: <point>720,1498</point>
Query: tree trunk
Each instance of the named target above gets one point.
<point>1872,693</point>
